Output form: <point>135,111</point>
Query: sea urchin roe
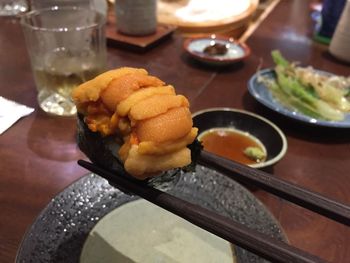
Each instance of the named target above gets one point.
<point>124,106</point>
<point>139,165</point>
<point>90,91</point>
<point>173,124</point>
<point>230,143</point>
<point>156,105</point>
<point>153,124</point>
<point>121,88</point>
<point>154,148</point>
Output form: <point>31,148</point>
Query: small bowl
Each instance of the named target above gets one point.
<point>252,124</point>
<point>235,51</point>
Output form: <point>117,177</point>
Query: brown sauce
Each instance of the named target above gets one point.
<point>230,143</point>
<point>216,49</point>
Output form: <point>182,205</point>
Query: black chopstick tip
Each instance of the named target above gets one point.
<point>82,163</point>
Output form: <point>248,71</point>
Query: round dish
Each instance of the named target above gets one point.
<point>265,131</point>
<point>262,94</point>
<point>59,232</point>
<point>206,16</point>
<point>235,51</point>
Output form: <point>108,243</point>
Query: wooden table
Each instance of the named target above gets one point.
<point>38,154</point>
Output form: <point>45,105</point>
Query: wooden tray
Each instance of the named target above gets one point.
<point>137,43</point>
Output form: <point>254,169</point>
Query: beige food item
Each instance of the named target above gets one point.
<point>140,231</point>
<point>154,123</point>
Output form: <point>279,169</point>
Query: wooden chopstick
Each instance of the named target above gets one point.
<point>258,243</point>
<point>279,187</point>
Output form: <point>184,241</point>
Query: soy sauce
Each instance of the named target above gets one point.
<point>230,143</point>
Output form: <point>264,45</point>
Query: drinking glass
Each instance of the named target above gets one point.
<point>67,47</point>
<point>42,4</point>
<point>99,5</point>
<point>12,7</point>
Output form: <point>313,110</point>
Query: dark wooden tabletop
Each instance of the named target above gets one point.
<point>38,154</point>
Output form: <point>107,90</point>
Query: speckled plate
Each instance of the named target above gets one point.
<point>235,51</point>
<point>262,94</point>
<point>59,232</point>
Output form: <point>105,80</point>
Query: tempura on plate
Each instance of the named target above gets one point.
<point>150,122</point>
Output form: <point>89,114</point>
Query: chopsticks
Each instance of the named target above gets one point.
<point>313,201</point>
<point>258,243</point>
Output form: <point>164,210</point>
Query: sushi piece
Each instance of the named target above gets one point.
<point>130,118</point>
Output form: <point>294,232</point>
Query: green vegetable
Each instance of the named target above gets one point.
<point>294,93</point>
<point>279,59</point>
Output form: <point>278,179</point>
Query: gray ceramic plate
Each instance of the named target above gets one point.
<point>262,94</point>
<point>59,232</point>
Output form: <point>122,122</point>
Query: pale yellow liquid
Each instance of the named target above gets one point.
<point>59,75</point>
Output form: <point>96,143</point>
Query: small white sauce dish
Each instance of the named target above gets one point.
<point>235,51</point>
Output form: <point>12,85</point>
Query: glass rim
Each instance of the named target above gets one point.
<point>24,22</point>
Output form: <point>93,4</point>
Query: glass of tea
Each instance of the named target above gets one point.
<point>12,7</point>
<point>67,47</point>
